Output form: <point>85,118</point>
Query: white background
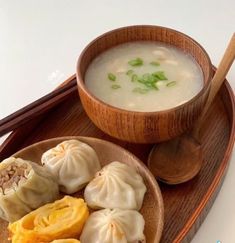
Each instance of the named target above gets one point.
<point>41,40</point>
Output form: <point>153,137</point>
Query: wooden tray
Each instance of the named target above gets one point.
<point>186,205</point>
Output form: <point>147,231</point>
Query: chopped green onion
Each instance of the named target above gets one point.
<point>136,62</point>
<point>154,86</point>
<point>140,80</point>
<point>144,79</point>
<point>148,78</point>
<point>160,75</point>
<point>171,84</point>
<point>115,86</point>
<point>153,79</point>
<point>140,90</point>
<point>111,77</point>
<point>155,63</point>
<point>129,72</point>
<point>134,78</point>
<point>151,85</point>
<point>149,81</point>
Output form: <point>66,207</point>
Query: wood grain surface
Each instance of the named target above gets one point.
<point>143,127</point>
<point>186,205</point>
<point>40,106</point>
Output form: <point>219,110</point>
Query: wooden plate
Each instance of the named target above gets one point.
<point>185,205</point>
<point>152,209</point>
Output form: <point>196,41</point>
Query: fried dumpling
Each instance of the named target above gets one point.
<point>62,219</point>
<point>114,226</point>
<point>24,186</point>
<point>74,164</point>
<point>117,185</point>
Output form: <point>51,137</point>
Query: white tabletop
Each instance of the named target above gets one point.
<point>41,40</point>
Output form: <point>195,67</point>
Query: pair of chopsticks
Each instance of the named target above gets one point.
<point>38,107</point>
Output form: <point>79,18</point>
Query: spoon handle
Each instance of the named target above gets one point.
<point>217,82</point>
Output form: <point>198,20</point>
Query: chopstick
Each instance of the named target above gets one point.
<point>36,108</point>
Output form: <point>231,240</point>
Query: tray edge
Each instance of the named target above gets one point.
<point>191,227</point>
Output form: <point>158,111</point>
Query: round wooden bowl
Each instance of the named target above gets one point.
<point>152,209</point>
<point>143,127</point>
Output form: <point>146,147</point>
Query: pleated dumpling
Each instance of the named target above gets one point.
<point>117,185</point>
<point>73,163</point>
<point>114,226</point>
<point>24,186</point>
<point>62,219</point>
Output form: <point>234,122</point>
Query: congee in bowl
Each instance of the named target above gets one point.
<point>144,76</point>
<point>144,84</point>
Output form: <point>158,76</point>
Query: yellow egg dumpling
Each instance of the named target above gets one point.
<point>62,219</point>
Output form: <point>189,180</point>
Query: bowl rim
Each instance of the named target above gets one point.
<point>151,179</point>
<point>82,86</point>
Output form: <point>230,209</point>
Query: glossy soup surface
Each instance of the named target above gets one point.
<point>144,76</point>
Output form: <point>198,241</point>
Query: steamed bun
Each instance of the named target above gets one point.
<point>73,163</point>
<point>117,185</point>
<point>114,226</point>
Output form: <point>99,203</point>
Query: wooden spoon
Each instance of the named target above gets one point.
<point>179,160</point>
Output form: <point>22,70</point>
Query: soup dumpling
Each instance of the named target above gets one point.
<point>117,185</point>
<point>114,226</point>
<point>24,186</point>
<point>73,163</point>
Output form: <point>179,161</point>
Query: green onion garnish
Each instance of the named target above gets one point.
<point>155,63</point>
<point>136,62</point>
<point>129,72</point>
<point>151,85</point>
<point>160,75</point>
<point>171,84</point>
<point>115,86</point>
<point>154,86</point>
<point>134,78</point>
<point>149,81</point>
<point>146,77</point>
<point>111,77</point>
<point>149,78</point>
<point>153,79</point>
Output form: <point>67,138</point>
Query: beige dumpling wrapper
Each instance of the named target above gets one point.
<point>24,186</point>
<point>117,185</point>
<point>73,163</point>
<point>114,226</point>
